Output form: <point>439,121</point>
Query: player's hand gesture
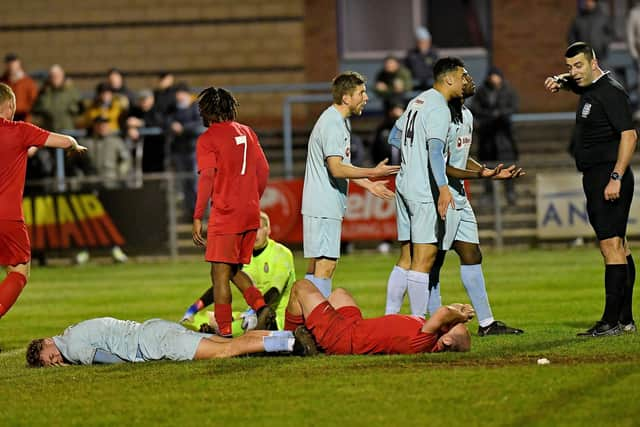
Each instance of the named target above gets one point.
<point>382,169</point>
<point>511,172</point>
<point>76,148</point>
<point>445,199</point>
<point>489,173</point>
<point>196,232</point>
<point>380,189</point>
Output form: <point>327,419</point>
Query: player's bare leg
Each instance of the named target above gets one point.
<point>320,271</point>
<point>12,285</point>
<point>397,283</point>
<point>341,298</point>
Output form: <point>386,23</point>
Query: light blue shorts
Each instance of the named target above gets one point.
<point>160,339</point>
<point>321,237</point>
<point>460,225</point>
<point>417,222</point>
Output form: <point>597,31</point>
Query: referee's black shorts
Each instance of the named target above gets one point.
<point>608,219</point>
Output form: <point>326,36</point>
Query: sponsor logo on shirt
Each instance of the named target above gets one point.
<point>462,141</point>
<point>266,267</point>
<point>586,110</point>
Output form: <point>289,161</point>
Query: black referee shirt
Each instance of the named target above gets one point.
<point>604,112</point>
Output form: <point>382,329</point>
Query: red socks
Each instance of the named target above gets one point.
<point>10,289</point>
<point>292,321</point>
<point>223,318</point>
<point>254,298</point>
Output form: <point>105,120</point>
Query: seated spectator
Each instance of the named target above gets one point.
<point>185,125</point>
<point>115,80</point>
<point>103,105</point>
<point>143,114</point>
<point>58,103</point>
<point>420,60</point>
<point>165,93</point>
<point>23,86</point>
<point>393,82</point>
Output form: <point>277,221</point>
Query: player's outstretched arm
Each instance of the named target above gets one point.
<point>511,172</point>
<point>343,170</point>
<point>57,140</point>
<point>377,188</point>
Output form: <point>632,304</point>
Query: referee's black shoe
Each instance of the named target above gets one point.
<point>601,329</point>
<point>498,328</point>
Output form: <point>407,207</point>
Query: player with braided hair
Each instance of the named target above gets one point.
<point>233,173</point>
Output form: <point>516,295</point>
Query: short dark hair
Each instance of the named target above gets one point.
<point>10,57</point>
<point>33,353</point>
<point>217,105</point>
<point>344,84</point>
<point>445,66</point>
<point>580,47</point>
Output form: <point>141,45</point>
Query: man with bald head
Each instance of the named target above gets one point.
<point>58,102</point>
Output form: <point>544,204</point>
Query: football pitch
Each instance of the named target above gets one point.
<point>552,294</point>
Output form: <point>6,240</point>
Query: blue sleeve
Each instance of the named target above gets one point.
<point>395,137</point>
<point>436,161</point>
<point>102,357</point>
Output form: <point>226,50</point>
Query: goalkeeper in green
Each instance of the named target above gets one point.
<point>273,272</point>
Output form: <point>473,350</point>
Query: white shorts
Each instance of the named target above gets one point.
<point>460,225</point>
<point>163,340</point>
<point>321,237</point>
<point>418,222</point>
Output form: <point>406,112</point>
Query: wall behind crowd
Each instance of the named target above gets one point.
<point>222,43</point>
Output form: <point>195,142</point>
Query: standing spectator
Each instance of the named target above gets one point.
<point>393,82</point>
<point>144,114</point>
<point>381,149</point>
<point>633,43</point>
<point>165,92</point>
<point>110,161</point>
<point>421,59</point>
<point>493,105</point>
<point>23,86</point>
<point>115,80</point>
<point>58,102</point>
<point>184,128</point>
<point>592,26</point>
<point>103,105</point>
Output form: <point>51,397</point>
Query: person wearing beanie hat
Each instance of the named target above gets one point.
<point>421,58</point>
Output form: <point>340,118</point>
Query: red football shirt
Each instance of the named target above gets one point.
<point>15,140</point>
<point>392,334</point>
<point>240,176</point>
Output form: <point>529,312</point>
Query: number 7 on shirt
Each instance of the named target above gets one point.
<point>242,140</point>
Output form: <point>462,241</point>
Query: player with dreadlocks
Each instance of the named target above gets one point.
<point>233,173</point>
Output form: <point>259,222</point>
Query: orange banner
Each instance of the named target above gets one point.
<point>367,218</point>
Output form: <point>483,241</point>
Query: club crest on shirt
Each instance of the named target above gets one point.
<point>586,110</point>
<point>266,267</point>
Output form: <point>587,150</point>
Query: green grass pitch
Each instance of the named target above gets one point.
<point>551,294</point>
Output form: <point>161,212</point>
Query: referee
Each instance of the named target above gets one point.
<point>605,140</point>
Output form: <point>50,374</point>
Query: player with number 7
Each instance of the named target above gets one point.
<point>233,173</point>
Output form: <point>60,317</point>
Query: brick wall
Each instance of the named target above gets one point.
<point>529,44</point>
<point>221,42</point>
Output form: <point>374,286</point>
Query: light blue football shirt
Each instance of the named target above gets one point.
<point>79,343</point>
<point>323,195</point>
<point>427,116</point>
<point>458,146</point>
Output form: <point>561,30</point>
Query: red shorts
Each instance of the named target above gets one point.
<point>15,247</point>
<point>230,248</point>
<point>333,329</point>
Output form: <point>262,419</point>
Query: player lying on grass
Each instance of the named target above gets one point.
<point>272,270</point>
<point>107,340</point>
<point>337,325</point>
